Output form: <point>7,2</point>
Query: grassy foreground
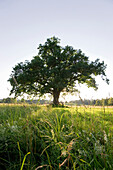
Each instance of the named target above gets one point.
<point>34,137</point>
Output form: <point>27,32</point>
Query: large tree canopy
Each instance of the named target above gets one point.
<point>55,69</point>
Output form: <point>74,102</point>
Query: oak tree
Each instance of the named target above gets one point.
<point>55,69</point>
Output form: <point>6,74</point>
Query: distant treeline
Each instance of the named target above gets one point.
<point>97,102</point>
<point>16,101</point>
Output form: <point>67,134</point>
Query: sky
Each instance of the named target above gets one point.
<point>83,24</point>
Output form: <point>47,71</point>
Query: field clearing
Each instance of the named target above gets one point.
<point>55,138</point>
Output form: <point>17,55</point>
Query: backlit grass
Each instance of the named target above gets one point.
<point>55,138</point>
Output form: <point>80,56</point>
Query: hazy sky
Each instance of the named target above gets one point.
<point>83,24</point>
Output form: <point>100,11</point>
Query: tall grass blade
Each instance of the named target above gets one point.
<point>19,152</point>
<point>24,160</point>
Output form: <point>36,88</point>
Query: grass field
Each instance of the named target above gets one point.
<point>41,137</point>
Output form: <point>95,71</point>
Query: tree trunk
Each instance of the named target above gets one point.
<point>56,95</point>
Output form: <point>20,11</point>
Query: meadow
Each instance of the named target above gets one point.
<point>36,137</point>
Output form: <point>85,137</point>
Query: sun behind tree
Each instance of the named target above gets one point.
<point>54,70</point>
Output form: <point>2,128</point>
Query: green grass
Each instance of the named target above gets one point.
<point>35,137</point>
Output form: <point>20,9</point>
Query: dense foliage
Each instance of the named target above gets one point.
<point>54,70</point>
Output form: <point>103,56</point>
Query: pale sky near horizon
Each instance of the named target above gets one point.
<point>83,24</point>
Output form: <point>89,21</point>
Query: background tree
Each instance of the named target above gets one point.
<point>98,102</point>
<point>9,100</point>
<point>110,101</point>
<point>54,70</point>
